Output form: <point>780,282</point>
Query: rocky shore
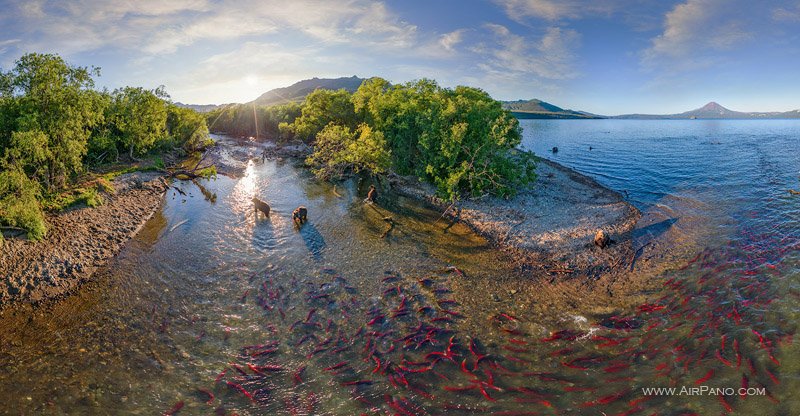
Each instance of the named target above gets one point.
<point>79,241</point>
<point>549,227</point>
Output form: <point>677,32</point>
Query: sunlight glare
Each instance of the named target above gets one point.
<point>251,80</point>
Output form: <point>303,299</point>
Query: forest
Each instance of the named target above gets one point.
<point>58,133</point>
<point>60,136</point>
<point>461,140</point>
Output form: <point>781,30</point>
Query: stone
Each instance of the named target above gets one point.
<point>601,239</point>
<point>555,149</point>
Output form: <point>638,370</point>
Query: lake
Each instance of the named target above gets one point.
<point>227,313</point>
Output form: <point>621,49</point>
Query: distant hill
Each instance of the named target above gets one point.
<point>297,92</point>
<point>713,110</point>
<point>201,108</point>
<point>526,109</point>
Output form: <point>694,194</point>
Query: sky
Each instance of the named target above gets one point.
<point>603,56</point>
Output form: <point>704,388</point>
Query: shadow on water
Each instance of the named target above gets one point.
<point>645,234</point>
<point>263,233</point>
<point>642,237</point>
<point>314,241</point>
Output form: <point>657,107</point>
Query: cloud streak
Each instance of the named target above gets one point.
<point>553,10</point>
<point>550,57</point>
<point>697,32</point>
<point>162,27</point>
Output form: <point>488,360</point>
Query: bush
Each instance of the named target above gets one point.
<point>321,108</point>
<point>460,140</point>
<point>187,128</point>
<point>89,197</point>
<point>19,206</point>
<point>339,151</point>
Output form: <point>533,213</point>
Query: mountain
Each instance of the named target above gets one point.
<point>297,92</point>
<point>713,110</point>
<point>524,109</point>
<point>201,108</point>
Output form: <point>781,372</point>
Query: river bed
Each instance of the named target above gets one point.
<point>211,310</point>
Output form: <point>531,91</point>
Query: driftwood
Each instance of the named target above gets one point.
<point>456,218</point>
<point>390,221</point>
<point>191,173</point>
<point>208,195</point>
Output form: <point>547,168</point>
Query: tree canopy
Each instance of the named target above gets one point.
<point>53,124</point>
<point>460,140</point>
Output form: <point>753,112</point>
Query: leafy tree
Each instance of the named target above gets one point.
<point>460,140</point>
<point>51,99</point>
<point>320,108</point>
<point>139,117</point>
<point>187,128</point>
<point>19,206</point>
<point>339,150</point>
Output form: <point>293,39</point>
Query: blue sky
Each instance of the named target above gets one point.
<point>603,56</point>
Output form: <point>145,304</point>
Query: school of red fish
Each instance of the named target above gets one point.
<point>400,352</point>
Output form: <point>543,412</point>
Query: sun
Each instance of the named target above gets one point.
<point>251,80</point>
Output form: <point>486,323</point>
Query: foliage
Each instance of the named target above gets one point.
<point>187,128</point>
<point>53,124</point>
<point>19,205</point>
<point>138,117</point>
<point>460,140</point>
<point>339,150</point>
<point>81,196</point>
<point>321,108</point>
<point>245,120</point>
<point>51,104</point>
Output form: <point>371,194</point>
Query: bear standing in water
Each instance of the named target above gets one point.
<point>261,206</point>
<point>300,215</point>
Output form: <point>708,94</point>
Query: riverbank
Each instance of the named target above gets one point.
<point>551,226</point>
<point>546,230</point>
<point>79,241</point>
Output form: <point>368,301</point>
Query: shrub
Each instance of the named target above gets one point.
<point>339,150</point>
<point>19,206</point>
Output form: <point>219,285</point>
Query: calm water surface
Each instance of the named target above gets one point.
<point>333,318</point>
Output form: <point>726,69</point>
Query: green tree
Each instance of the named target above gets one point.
<point>321,108</point>
<point>338,151</point>
<point>19,205</point>
<point>139,117</point>
<point>46,97</point>
<point>187,128</point>
<point>460,140</point>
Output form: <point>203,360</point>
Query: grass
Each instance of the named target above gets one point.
<point>89,197</point>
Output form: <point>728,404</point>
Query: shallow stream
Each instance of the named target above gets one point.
<point>210,310</point>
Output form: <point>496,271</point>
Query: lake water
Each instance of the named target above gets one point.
<point>337,318</point>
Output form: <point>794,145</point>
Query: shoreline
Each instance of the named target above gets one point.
<point>550,226</point>
<point>79,241</point>
<point>547,228</point>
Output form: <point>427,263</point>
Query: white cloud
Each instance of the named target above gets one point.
<point>696,30</point>
<point>162,27</point>
<point>790,13</point>
<point>550,57</point>
<point>229,76</point>
<point>448,41</point>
